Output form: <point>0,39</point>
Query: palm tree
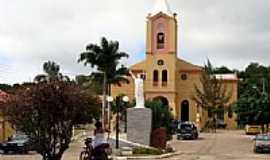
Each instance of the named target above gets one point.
<point>52,71</point>
<point>105,58</point>
<point>117,76</point>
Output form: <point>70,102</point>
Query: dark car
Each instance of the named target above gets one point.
<point>262,143</point>
<point>18,143</point>
<point>187,130</point>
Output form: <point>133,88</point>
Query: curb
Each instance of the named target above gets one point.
<point>168,155</point>
<point>129,142</point>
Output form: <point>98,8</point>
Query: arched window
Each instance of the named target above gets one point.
<point>160,40</point>
<point>164,77</point>
<point>155,77</point>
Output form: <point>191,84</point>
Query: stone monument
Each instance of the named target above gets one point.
<point>139,119</point>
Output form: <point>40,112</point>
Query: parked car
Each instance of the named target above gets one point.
<point>252,129</point>
<point>262,143</point>
<point>18,143</point>
<point>187,130</point>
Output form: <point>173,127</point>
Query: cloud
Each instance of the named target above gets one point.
<point>231,33</point>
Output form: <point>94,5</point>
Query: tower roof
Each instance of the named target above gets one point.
<point>161,6</point>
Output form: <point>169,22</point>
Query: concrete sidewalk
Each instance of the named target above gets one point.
<point>152,157</point>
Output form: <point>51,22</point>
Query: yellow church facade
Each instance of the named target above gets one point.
<point>169,78</point>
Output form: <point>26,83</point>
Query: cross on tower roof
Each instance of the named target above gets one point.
<point>161,6</point>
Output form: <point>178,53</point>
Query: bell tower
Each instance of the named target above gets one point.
<point>161,30</point>
<point>161,52</point>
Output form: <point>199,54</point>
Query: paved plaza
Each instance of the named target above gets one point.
<point>224,145</point>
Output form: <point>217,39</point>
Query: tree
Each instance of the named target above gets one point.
<point>5,87</point>
<point>161,116</point>
<point>255,75</point>
<point>117,76</point>
<point>253,107</point>
<point>253,104</point>
<point>105,58</point>
<point>161,123</point>
<point>17,87</point>
<point>222,70</point>
<point>89,83</point>
<point>213,93</point>
<point>47,112</point>
<point>52,71</point>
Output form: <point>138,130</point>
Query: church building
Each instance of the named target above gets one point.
<point>169,78</point>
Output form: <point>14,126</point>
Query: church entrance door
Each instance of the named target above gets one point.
<point>184,111</point>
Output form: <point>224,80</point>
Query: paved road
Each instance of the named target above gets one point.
<point>72,153</point>
<point>224,145</point>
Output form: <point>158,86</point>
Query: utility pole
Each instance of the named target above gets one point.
<point>104,99</point>
<point>110,100</point>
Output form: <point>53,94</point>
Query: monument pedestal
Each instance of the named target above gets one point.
<point>139,125</point>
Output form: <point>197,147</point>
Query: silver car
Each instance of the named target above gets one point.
<point>262,143</point>
<point>18,143</point>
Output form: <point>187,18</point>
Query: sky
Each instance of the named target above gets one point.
<point>228,32</point>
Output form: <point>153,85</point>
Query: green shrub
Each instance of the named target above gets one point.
<point>161,116</point>
<point>146,151</point>
<point>169,150</point>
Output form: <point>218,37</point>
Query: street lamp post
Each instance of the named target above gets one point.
<point>104,88</point>
<point>125,100</point>
<point>119,105</point>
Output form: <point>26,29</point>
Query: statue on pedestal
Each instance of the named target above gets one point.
<point>139,91</point>
<point>139,119</point>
